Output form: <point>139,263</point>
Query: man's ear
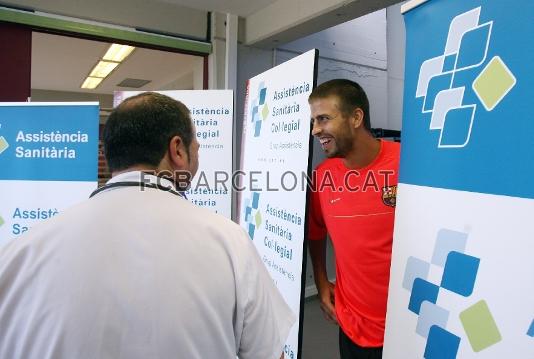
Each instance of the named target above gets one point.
<point>177,153</point>
<point>357,118</point>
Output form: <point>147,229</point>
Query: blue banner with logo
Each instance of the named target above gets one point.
<point>462,272</point>
<point>467,120</point>
<point>48,161</point>
<point>53,143</point>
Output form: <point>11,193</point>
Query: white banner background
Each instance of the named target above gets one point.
<point>212,112</point>
<point>275,159</point>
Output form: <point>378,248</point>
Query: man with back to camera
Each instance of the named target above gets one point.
<point>353,200</point>
<point>137,271</point>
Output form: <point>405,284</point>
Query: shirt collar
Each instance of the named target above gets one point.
<point>141,177</point>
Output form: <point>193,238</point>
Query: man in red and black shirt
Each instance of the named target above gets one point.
<point>353,201</point>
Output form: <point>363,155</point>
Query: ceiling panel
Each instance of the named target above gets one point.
<point>236,7</point>
<point>61,63</point>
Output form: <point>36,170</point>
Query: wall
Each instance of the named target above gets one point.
<point>356,50</point>
<point>396,38</point>
<point>251,61</point>
<point>105,101</point>
<point>15,62</point>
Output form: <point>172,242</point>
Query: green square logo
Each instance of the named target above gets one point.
<point>265,112</point>
<point>258,219</point>
<point>3,144</point>
<point>493,83</point>
<point>1,221</point>
<point>480,326</point>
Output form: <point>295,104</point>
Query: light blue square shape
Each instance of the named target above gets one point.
<point>248,213</point>
<point>255,115</point>
<point>415,268</point>
<point>436,85</point>
<point>429,315</point>
<point>448,240</point>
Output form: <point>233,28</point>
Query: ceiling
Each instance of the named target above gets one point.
<point>61,63</point>
<point>238,7</point>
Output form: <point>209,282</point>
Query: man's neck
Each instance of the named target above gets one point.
<point>365,149</point>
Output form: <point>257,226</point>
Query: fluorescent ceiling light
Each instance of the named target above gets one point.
<point>118,52</point>
<point>91,82</point>
<point>103,68</point>
<point>115,54</point>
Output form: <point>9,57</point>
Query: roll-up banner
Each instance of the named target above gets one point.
<point>462,273</point>
<point>48,161</point>
<point>212,112</point>
<point>275,164</point>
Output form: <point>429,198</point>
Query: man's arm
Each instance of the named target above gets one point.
<point>325,288</point>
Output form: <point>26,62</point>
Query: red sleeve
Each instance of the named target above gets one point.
<point>316,227</point>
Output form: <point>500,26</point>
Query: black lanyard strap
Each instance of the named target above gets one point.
<point>141,185</point>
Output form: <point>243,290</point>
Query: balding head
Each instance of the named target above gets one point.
<point>139,130</point>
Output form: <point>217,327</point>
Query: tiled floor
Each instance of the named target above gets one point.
<point>320,337</point>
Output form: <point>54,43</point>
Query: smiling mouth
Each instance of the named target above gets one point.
<point>325,142</point>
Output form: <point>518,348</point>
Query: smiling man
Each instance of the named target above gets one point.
<point>354,203</point>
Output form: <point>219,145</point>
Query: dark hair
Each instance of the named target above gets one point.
<point>350,94</point>
<point>139,130</point>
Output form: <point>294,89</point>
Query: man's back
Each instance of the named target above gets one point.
<point>137,274</point>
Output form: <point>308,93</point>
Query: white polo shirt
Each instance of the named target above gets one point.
<point>138,274</point>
